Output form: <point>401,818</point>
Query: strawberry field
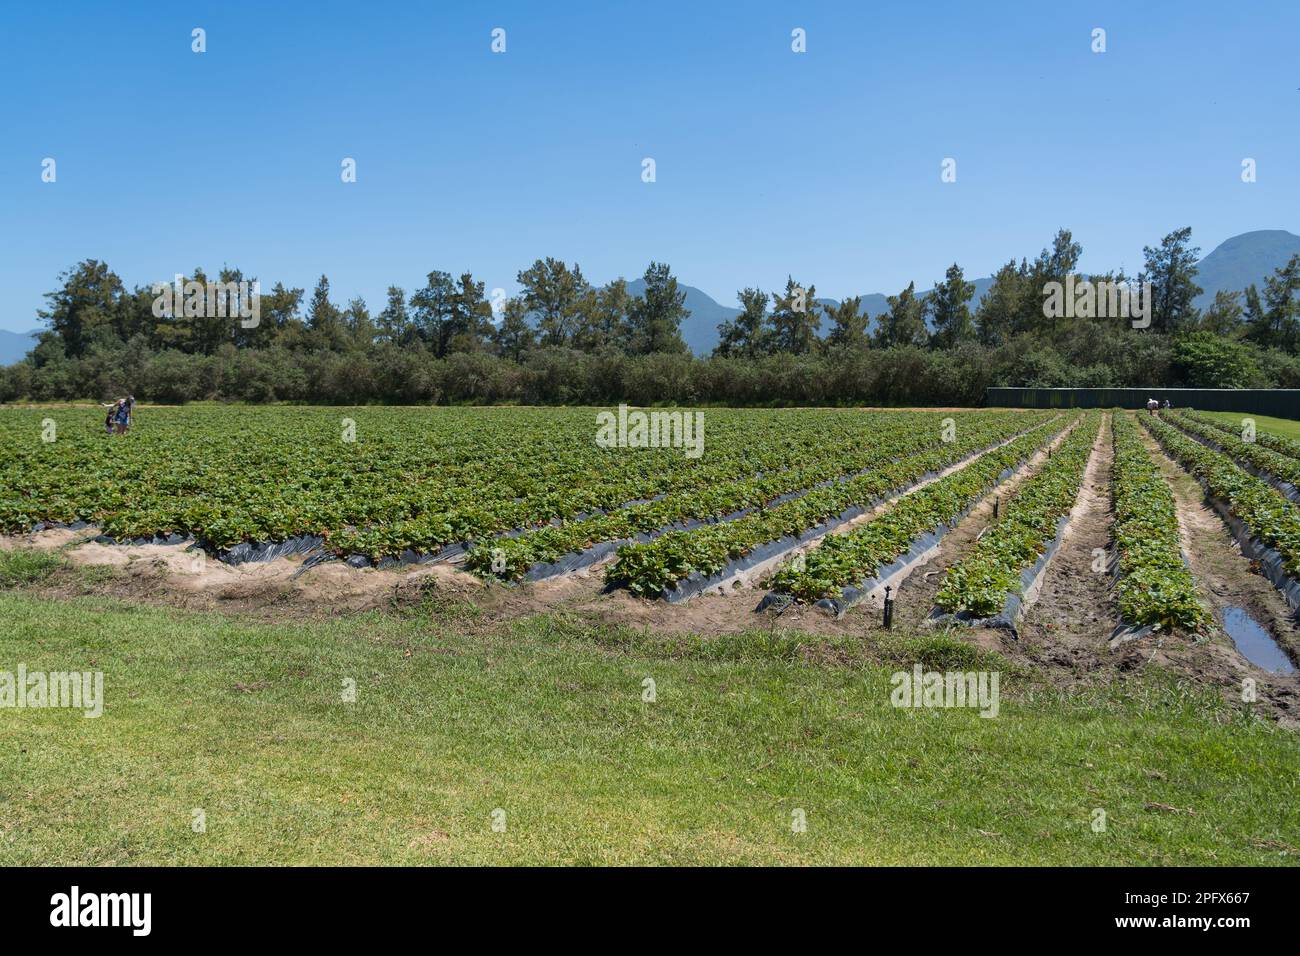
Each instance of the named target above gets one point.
<point>793,509</point>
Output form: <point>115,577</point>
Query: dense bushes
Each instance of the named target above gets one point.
<point>392,374</point>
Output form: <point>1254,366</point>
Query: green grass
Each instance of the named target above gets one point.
<point>24,566</point>
<point>1285,427</point>
<point>545,719</point>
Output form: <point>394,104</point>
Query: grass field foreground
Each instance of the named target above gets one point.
<point>547,720</point>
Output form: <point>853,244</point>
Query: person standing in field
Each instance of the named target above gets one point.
<point>124,411</point>
<point>119,415</point>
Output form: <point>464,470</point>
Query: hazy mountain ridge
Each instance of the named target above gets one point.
<point>15,345</point>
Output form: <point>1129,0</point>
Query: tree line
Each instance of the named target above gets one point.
<point>563,340</point>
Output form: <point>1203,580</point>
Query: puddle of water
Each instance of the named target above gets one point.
<point>1255,643</point>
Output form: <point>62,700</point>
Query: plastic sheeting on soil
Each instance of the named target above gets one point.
<point>1290,491</point>
<point>576,560</point>
<point>920,546</point>
<point>855,594</point>
<point>1015,605</point>
<point>1270,560</point>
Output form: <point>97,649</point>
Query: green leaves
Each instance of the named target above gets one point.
<point>1155,586</point>
<point>1270,517</point>
<point>648,569</point>
<point>980,583</point>
<point>843,560</point>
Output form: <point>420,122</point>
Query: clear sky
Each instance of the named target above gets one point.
<point>824,164</point>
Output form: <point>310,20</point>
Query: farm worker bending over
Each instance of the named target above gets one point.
<point>1152,405</point>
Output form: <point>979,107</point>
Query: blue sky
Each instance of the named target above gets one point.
<point>824,164</point>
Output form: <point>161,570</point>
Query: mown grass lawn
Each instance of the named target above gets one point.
<point>545,720</point>
<point>1285,427</point>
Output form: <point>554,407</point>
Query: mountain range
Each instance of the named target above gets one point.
<point>1232,265</point>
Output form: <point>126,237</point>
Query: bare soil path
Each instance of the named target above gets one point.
<point>1075,611</point>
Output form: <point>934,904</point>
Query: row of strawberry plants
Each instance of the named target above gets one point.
<point>234,474</point>
<point>1155,586</point>
<point>842,560</point>
<point>654,568</point>
<point>1253,454</point>
<point>1278,443</point>
<point>512,557</point>
<point>731,478</point>
<point>1257,504</point>
<point>980,583</point>
<point>427,522</point>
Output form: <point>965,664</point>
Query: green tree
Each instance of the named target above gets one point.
<point>848,325</point>
<point>431,309</point>
<point>749,334</point>
<point>513,336</point>
<point>655,317</point>
<point>1281,305</point>
<point>394,321</point>
<point>603,318</point>
<point>1224,317</point>
<point>1205,360</point>
<point>468,322</point>
<point>949,306</point>
<point>998,317</point>
<point>85,308</point>
<point>554,293</point>
<point>1171,270</point>
<point>795,319</point>
<point>360,326</point>
<point>324,320</point>
<point>904,323</point>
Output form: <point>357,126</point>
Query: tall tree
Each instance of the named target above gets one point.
<point>998,317</point>
<point>431,308</point>
<point>360,326</point>
<point>848,324</point>
<point>1054,265</point>
<point>1171,270</point>
<point>655,317</point>
<point>469,318</point>
<point>795,319</point>
<point>1224,317</point>
<point>904,323</point>
<point>554,293</point>
<point>85,308</point>
<point>394,320</point>
<point>749,334</point>
<point>1273,319</point>
<point>603,318</point>
<point>324,320</point>
<point>513,336</point>
<point>949,306</point>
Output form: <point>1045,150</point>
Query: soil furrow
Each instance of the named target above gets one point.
<point>915,597</point>
<point>1075,610</point>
